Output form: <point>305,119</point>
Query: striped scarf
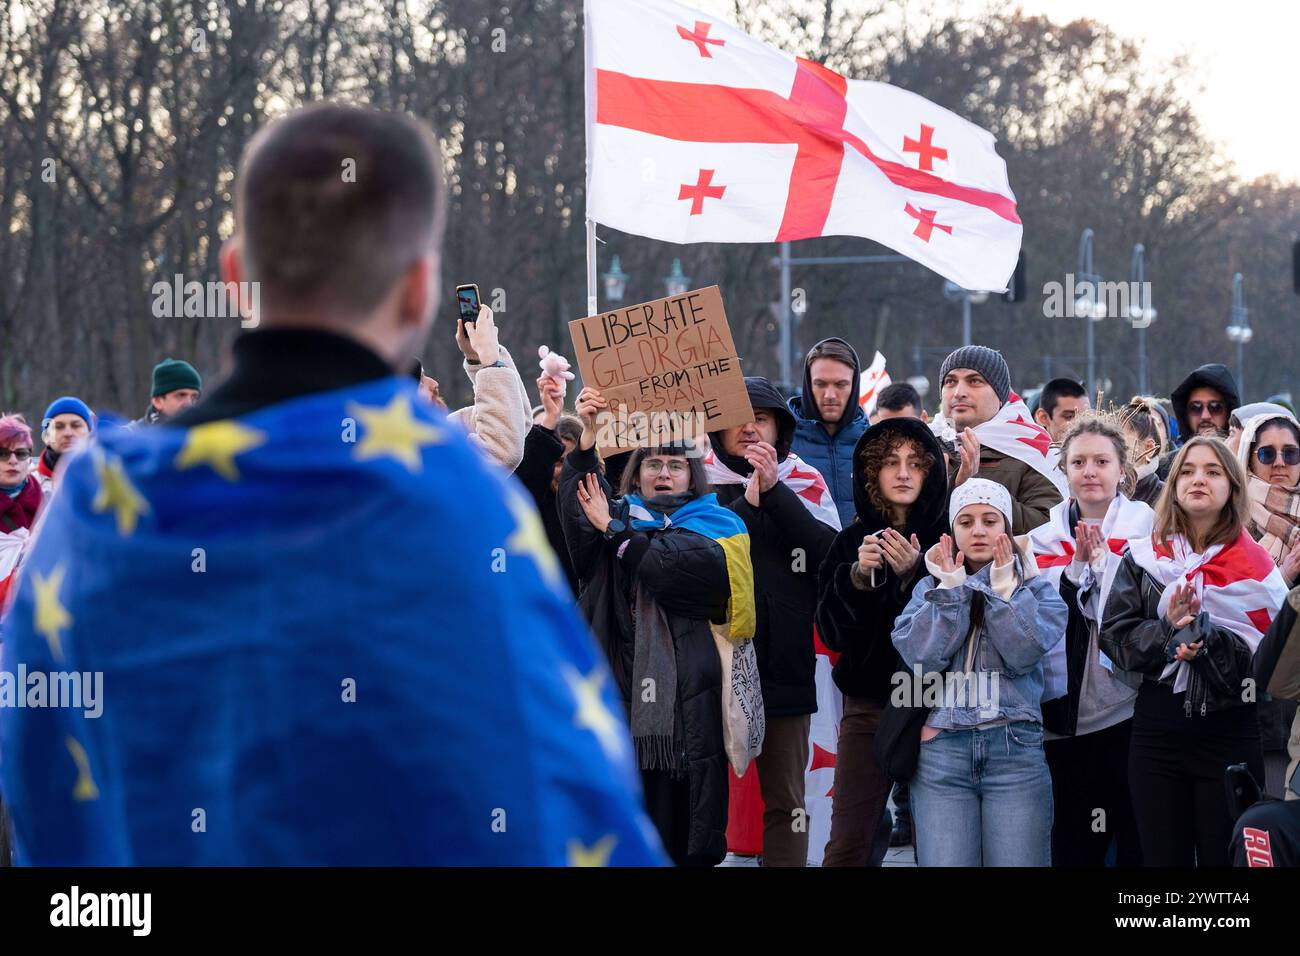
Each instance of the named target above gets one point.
<point>1274,516</point>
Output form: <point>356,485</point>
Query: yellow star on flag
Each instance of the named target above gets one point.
<point>596,855</point>
<point>592,713</point>
<point>530,538</point>
<point>50,616</point>
<point>116,493</point>
<point>85,788</point>
<point>392,430</point>
<point>217,444</point>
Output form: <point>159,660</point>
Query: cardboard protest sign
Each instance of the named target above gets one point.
<point>668,368</point>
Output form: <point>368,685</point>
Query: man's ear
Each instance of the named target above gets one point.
<point>1042,418</point>
<point>231,268</point>
<point>925,416</point>
<point>417,301</point>
<point>154,401</point>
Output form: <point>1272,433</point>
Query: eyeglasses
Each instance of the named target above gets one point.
<point>674,466</point>
<point>1199,408</point>
<point>22,454</point>
<point>1267,454</point>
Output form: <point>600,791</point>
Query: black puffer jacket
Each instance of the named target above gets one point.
<point>687,575</point>
<point>786,544</point>
<point>858,623</point>
<point>1136,636</point>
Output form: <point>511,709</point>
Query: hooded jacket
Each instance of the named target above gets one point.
<point>785,588</point>
<point>1213,375</point>
<point>857,623</point>
<point>832,455</point>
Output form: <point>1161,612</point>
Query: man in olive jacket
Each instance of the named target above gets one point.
<point>976,383</point>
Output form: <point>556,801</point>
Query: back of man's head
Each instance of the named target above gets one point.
<point>334,204</point>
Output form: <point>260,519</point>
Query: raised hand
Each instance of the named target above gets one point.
<point>591,496</point>
<point>1002,551</point>
<point>589,405</point>
<point>483,337</point>
<point>552,400</point>
<point>1183,607</point>
<point>1291,565</point>
<point>899,551</point>
<point>969,448</point>
<point>947,561</point>
<point>762,458</point>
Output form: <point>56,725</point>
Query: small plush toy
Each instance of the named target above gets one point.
<point>555,366</point>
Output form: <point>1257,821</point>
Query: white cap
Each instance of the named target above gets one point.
<point>980,491</point>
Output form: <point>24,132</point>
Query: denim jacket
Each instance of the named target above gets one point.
<point>1015,634</point>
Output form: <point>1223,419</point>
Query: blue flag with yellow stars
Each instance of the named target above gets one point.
<point>329,632</point>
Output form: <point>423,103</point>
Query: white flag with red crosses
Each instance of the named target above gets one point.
<point>697,132</point>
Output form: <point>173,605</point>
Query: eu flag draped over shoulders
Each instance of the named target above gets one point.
<point>329,633</point>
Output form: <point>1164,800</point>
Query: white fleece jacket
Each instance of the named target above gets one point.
<point>500,417</point>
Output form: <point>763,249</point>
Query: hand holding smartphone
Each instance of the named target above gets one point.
<point>467,300</point>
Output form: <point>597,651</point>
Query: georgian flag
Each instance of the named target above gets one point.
<point>802,478</point>
<point>697,132</point>
<point>1054,548</point>
<point>874,380</point>
<point>1238,584</point>
<point>1013,432</point>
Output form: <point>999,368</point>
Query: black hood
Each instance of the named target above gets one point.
<point>931,506</point>
<point>810,409</point>
<point>762,394</point>
<point>1213,376</point>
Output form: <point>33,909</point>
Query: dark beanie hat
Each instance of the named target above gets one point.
<point>171,374</point>
<point>988,362</point>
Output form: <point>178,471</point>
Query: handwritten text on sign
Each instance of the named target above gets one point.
<point>668,368</point>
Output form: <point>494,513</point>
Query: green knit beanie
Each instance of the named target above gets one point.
<point>171,374</point>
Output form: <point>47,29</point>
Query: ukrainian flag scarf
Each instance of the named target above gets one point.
<point>704,516</point>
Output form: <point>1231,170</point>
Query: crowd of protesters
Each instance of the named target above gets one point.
<point>1050,648</point>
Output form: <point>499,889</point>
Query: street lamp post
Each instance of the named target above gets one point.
<point>1090,304</point>
<point>1239,330</point>
<point>615,281</point>
<point>675,282</point>
<point>955,293</point>
<point>1140,311</point>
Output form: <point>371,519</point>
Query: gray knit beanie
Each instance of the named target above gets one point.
<point>988,362</point>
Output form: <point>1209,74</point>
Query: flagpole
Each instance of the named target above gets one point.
<point>592,307</point>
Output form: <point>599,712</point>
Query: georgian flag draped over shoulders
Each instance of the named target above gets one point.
<point>1238,584</point>
<point>697,132</point>
<point>333,628</point>
<point>1014,433</point>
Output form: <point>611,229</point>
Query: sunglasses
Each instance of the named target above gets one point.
<point>1268,454</point>
<point>22,454</point>
<point>1214,408</point>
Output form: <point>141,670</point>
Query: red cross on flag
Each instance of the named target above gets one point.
<point>697,132</point>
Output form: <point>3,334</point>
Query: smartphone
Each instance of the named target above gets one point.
<point>468,302</point>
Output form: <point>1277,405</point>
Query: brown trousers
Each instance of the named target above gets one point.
<point>780,780</point>
<point>861,787</point>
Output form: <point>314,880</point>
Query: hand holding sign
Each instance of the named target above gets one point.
<point>668,370</point>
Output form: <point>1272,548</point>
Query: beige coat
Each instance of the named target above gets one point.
<point>500,417</point>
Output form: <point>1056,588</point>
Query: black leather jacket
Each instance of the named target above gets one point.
<point>1137,638</point>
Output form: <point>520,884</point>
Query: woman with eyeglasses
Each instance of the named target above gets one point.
<point>1269,450</point>
<point>659,567</point>
<point>20,496</point>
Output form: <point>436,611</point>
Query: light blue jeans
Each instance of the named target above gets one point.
<point>983,798</point>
